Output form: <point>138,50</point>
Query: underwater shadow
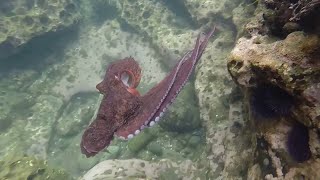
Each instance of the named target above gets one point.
<point>34,55</point>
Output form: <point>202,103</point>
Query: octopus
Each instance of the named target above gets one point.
<point>123,112</point>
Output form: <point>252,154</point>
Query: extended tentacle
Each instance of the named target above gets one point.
<point>182,77</point>
<point>161,96</point>
<point>205,41</point>
<point>152,101</point>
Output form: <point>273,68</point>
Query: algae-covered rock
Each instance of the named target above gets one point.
<point>202,10</point>
<point>83,66</point>
<point>229,139</point>
<point>40,125</point>
<point>156,21</point>
<point>241,15</point>
<point>291,64</point>
<point>280,80</point>
<point>287,16</point>
<point>183,116</point>
<point>65,153</point>
<point>21,21</point>
<point>141,141</point>
<point>77,114</point>
<point>309,170</point>
<point>15,167</point>
<point>31,126</point>
<point>139,169</point>
<point>288,69</point>
<point>212,80</point>
<point>10,100</point>
<point>155,148</point>
<point>14,101</point>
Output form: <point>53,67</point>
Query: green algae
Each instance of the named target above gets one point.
<point>141,141</point>
<point>24,24</point>
<point>20,167</point>
<point>183,116</point>
<point>155,148</point>
<point>169,174</point>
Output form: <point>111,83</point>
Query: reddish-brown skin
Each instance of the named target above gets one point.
<point>117,107</point>
<point>123,111</point>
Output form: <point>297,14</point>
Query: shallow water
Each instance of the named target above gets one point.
<point>47,85</point>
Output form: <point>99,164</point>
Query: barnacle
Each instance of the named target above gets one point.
<point>269,101</point>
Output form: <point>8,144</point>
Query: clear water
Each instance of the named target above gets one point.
<point>47,85</point>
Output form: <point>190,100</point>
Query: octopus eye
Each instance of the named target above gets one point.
<point>127,78</point>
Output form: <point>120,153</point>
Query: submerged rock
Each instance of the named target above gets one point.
<point>77,114</point>
<point>26,167</point>
<point>286,16</point>
<point>10,100</point>
<point>206,9</point>
<point>31,126</point>
<point>135,168</point>
<point>40,125</point>
<point>228,139</point>
<point>291,65</point>
<point>184,115</point>
<point>141,141</point>
<point>153,20</point>
<point>229,148</point>
<point>22,21</point>
<point>241,15</point>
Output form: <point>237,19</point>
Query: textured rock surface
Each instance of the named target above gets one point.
<point>32,130</point>
<point>7,104</point>
<point>39,126</point>
<point>157,22</point>
<point>86,59</point>
<point>16,166</point>
<point>293,65</point>
<point>183,116</point>
<point>286,145</point>
<point>79,67</point>
<point>204,10</point>
<point>139,169</point>
<point>285,16</point>
<point>77,114</point>
<point>21,21</point>
<point>241,16</point>
<point>228,136</point>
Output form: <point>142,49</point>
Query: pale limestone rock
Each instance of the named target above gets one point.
<point>135,168</point>
<point>202,10</point>
<point>152,18</point>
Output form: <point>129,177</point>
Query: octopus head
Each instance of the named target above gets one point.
<point>127,71</point>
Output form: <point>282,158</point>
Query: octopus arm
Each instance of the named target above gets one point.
<point>188,63</point>
<point>150,103</point>
<point>157,100</point>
